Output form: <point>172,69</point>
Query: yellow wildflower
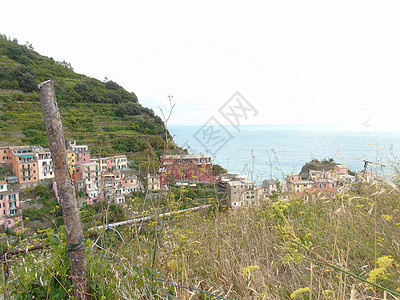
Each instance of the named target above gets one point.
<point>387,217</point>
<point>299,291</point>
<point>248,271</point>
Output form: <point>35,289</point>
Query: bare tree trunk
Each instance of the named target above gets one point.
<point>66,191</point>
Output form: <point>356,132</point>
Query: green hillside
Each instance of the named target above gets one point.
<point>101,114</point>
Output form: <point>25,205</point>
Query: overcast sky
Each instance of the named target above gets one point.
<point>296,62</point>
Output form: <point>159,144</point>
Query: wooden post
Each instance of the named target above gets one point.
<point>66,191</point>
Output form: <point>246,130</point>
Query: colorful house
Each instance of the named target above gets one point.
<point>341,169</point>
<point>111,163</point>
<point>82,153</point>
<point>241,192</point>
<point>131,184</point>
<point>5,156</point>
<point>9,206</point>
<point>293,177</point>
<point>153,182</point>
<point>92,178</point>
<point>121,162</point>
<point>197,167</point>
<point>101,162</point>
<point>71,160</point>
<point>25,166</point>
<point>45,164</point>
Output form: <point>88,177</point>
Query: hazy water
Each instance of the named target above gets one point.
<point>276,149</point>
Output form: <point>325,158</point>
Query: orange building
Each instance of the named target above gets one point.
<point>5,156</point>
<point>25,166</point>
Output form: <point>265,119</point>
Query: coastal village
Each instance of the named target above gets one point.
<point>112,179</point>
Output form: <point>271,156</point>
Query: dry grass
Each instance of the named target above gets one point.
<point>273,251</point>
<point>261,252</point>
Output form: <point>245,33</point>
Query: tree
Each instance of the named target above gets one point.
<point>111,85</point>
<point>66,191</point>
<point>218,170</point>
<point>27,82</point>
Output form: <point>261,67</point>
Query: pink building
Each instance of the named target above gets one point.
<point>82,153</point>
<point>9,206</point>
<point>111,163</point>
<point>293,177</point>
<point>341,169</point>
<point>198,168</point>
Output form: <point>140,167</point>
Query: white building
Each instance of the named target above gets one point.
<point>121,162</point>
<point>45,164</point>
<point>241,191</point>
<point>91,177</point>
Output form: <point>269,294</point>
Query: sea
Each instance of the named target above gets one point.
<point>272,151</point>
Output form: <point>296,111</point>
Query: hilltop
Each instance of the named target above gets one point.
<point>101,114</point>
<point>317,165</point>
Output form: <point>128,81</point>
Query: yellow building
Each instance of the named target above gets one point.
<point>71,160</point>
<point>300,186</point>
<point>101,162</point>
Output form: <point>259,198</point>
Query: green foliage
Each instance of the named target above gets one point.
<point>317,165</point>
<point>8,116</point>
<point>130,144</point>
<point>131,109</point>
<point>115,213</point>
<point>44,193</point>
<point>87,104</point>
<point>50,209</point>
<point>5,171</point>
<point>218,170</point>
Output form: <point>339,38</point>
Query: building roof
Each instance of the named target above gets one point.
<point>43,151</point>
<point>303,182</point>
<point>185,156</point>
<point>19,147</point>
<point>341,166</point>
<point>322,180</point>
<point>269,181</point>
<point>241,182</point>
<point>322,190</point>
<point>89,164</point>
<point>292,174</point>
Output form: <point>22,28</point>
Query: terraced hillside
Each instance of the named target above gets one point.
<point>101,114</point>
